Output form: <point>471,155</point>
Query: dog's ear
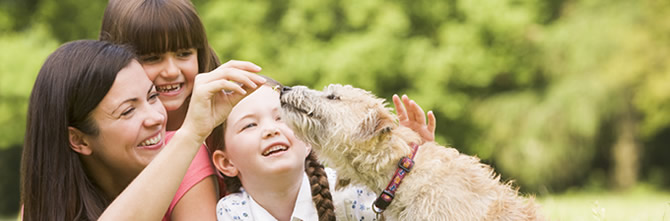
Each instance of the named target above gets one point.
<point>378,124</point>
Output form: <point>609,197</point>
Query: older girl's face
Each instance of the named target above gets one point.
<point>173,74</point>
<point>131,122</point>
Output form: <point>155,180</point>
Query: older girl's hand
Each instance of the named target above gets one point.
<point>413,117</point>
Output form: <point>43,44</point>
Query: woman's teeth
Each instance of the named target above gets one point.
<point>275,149</point>
<point>151,141</point>
<point>168,88</point>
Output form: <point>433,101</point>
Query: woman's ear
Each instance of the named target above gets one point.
<point>223,164</point>
<point>78,141</point>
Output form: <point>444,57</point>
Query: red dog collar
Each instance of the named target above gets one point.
<point>404,166</point>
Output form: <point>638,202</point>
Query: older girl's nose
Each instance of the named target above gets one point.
<point>170,69</point>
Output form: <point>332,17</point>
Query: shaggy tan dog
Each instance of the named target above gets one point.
<point>355,133</point>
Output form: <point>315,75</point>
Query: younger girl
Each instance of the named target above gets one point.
<point>273,175</point>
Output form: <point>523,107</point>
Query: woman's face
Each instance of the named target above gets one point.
<point>131,122</point>
<point>258,142</point>
<point>173,74</point>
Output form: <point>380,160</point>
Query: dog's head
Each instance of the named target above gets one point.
<point>337,117</point>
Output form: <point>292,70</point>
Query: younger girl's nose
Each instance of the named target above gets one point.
<point>271,132</point>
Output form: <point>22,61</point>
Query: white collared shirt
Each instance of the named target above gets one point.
<point>352,203</point>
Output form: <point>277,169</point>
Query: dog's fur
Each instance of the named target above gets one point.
<point>355,133</point>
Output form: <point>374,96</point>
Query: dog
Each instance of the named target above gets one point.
<point>355,133</point>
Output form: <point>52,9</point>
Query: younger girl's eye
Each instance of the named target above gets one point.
<point>248,126</point>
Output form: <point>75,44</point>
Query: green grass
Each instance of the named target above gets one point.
<point>640,203</point>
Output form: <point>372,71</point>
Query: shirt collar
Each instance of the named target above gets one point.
<point>304,206</point>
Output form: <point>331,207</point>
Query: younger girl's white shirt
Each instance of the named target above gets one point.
<point>351,203</point>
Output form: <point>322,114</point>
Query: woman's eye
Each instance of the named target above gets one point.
<point>278,119</point>
<point>128,111</point>
<point>153,96</point>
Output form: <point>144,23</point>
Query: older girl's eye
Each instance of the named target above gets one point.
<point>184,53</point>
<point>149,58</point>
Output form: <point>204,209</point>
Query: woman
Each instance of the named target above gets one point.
<point>94,144</point>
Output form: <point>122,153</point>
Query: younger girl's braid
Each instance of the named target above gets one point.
<point>318,180</point>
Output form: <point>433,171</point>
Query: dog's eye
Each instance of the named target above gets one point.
<point>333,97</point>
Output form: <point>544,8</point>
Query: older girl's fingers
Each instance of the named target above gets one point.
<point>244,65</point>
<point>400,108</point>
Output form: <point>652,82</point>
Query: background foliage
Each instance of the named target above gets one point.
<point>556,94</point>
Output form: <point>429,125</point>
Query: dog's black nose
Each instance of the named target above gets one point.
<point>284,89</point>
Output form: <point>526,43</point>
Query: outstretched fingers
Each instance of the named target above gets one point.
<point>400,108</point>
<point>411,115</point>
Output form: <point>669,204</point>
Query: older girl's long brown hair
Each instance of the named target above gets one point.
<point>158,26</point>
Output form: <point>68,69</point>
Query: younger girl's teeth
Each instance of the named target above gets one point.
<point>275,148</point>
<point>151,141</point>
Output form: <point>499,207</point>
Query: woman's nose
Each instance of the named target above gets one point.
<point>154,117</point>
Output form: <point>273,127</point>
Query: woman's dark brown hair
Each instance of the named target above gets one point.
<point>70,84</point>
<point>318,179</point>
<point>158,26</point>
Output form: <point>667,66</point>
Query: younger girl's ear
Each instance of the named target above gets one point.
<point>78,141</point>
<point>223,164</point>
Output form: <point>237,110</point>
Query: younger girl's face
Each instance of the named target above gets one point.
<point>173,74</point>
<point>257,142</point>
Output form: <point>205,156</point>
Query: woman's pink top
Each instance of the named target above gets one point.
<point>200,168</point>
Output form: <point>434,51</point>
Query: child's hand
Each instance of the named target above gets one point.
<point>413,118</point>
<point>215,93</point>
